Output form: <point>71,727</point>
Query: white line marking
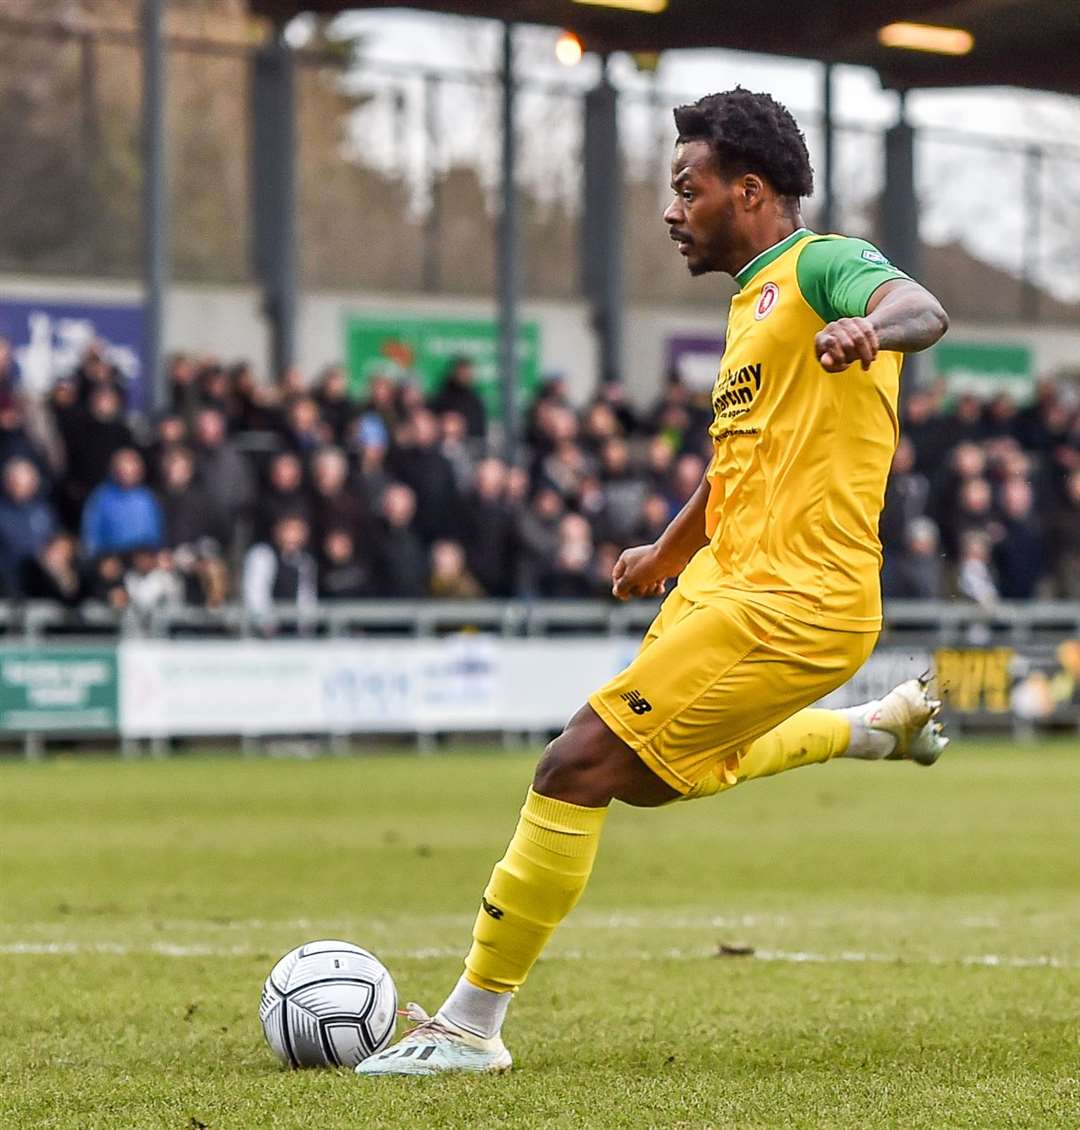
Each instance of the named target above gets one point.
<point>429,953</point>
<point>590,920</point>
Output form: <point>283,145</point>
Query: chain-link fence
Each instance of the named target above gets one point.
<point>398,178</point>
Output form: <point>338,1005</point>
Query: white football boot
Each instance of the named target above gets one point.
<point>911,716</point>
<point>437,1047</point>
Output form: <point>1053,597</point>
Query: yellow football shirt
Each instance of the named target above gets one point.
<point>800,456</point>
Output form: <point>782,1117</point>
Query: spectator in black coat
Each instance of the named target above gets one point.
<point>457,394</point>
<point>927,431</point>
<point>343,573</point>
<point>54,574</point>
<point>653,520</point>
<point>462,452</point>
<point>552,400</point>
<point>304,430</point>
<point>401,560</point>
<point>623,492</point>
<point>906,497</point>
<point>216,390</point>
<point>221,469</point>
<point>335,505</point>
<point>659,461</point>
<point>1000,417</point>
<point>1019,549</point>
<point>283,494</point>
<point>570,574</point>
<point>613,393</point>
<point>332,397</point>
<point>63,403</point>
<point>538,538</point>
<point>965,423</point>
<point>98,434</point>
<point>105,581</point>
<point>598,426</point>
<point>913,570</point>
<point>255,404</point>
<point>1041,426</point>
<point>16,438</point>
<point>418,463</point>
<point>191,513</point>
<point>96,372</point>
<point>490,530</point>
<point>181,377</point>
<point>170,430</point>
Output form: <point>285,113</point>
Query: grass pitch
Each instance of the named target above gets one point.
<point>917,938</point>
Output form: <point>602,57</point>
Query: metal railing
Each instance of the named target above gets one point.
<point>927,623</point>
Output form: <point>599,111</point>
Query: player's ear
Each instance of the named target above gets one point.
<point>751,191</point>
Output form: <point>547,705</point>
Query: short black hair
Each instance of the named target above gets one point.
<point>750,133</point>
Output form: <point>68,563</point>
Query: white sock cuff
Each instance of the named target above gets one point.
<point>478,1011</point>
<point>866,743</point>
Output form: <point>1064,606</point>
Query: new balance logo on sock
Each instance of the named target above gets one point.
<point>637,702</point>
<point>491,911</point>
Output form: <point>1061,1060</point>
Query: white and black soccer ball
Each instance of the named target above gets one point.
<point>328,1004</point>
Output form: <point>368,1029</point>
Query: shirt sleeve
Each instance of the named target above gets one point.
<point>838,276</point>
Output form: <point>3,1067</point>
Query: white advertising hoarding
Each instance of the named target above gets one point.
<point>464,682</point>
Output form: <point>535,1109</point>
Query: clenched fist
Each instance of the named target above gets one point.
<point>640,572</point>
<point>844,341</point>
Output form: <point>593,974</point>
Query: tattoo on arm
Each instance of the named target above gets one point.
<point>907,317</point>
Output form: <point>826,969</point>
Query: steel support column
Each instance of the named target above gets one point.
<point>509,253</point>
<point>1032,253</point>
<point>900,222</point>
<point>900,226</point>
<point>155,201</point>
<point>273,193</point>
<point>602,236</point>
<point>828,152</point>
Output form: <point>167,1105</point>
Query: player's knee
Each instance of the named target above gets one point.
<point>578,767</point>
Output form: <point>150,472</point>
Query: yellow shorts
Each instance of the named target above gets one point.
<point>710,679</point>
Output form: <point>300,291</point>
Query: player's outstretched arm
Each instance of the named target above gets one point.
<point>643,569</point>
<point>900,316</point>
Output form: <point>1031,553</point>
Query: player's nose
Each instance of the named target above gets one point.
<point>673,213</point>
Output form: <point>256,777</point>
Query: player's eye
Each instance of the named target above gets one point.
<point>687,196</point>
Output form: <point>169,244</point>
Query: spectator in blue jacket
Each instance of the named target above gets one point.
<point>122,512</point>
<point>26,521</point>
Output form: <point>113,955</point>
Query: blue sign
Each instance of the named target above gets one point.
<point>49,340</point>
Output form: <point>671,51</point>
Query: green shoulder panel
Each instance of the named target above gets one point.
<point>838,274</point>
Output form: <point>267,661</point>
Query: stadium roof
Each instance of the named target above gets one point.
<point>1026,43</point>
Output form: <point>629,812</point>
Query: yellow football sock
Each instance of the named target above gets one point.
<point>532,889</point>
<point>803,739</point>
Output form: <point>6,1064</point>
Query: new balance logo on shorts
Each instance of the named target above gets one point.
<point>637,702</point>
<point>490,910</point>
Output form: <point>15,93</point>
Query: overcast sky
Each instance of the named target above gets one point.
<point>971,193</point>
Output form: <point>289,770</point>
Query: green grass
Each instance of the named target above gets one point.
<point>168,889</point>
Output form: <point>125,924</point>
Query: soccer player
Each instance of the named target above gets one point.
<point>778,600</point>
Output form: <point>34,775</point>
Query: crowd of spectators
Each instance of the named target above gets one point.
<point>299,493</point>
<point>984,498</point>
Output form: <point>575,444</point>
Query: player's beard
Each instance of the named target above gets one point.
<point>717,254</point>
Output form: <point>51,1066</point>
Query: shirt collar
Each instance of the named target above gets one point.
<point>764,258</point>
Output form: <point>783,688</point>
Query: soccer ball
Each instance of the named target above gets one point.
<point>328,1004</point>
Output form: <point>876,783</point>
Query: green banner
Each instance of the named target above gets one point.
<point>986,368</point>
<point>69,690</point>
<point>421,348</point>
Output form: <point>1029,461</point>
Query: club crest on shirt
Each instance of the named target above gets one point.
<point>770,292</point>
